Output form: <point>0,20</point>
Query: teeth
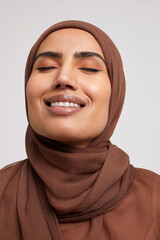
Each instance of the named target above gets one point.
<point>65,104</point>
<point>71,104</point>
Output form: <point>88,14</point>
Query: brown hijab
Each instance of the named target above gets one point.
<point>60,184</point>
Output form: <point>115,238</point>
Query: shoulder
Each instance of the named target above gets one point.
<point>9,175</point>
<point>11,169</point>
<point>146,173</point>
<point>146,176</point>
<point>147,180</point>
<point>147,183</point>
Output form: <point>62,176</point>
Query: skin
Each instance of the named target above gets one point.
<point>69,76</point>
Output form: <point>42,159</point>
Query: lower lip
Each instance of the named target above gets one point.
<point>63,111</point>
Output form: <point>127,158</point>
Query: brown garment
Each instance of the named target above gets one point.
<point>137,217</point>
<point>91,193</point>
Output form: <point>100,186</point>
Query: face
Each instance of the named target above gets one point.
<point>69,90</point>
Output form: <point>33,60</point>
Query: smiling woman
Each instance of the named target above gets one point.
<point>75,184</point>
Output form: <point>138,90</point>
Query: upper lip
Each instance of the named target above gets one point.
<point>65,98</point>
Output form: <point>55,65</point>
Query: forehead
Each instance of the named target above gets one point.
<point>70,40</point>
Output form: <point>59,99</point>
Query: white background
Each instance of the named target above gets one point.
<point>133,25</point>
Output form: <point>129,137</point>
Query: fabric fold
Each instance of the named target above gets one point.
<point>79,183</point>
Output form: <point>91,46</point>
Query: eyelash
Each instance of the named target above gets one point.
<point>45,68</point>
<point>85,69</point>
<point>90,69</point>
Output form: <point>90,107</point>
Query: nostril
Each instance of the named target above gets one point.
<point>58,86</point>
<point>64,86</point>
<point>69,86</point>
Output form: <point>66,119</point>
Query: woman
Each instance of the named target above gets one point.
<point>75,184</point>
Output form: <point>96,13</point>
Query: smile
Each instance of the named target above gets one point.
<point>65,101</point>
<point>64,104</point>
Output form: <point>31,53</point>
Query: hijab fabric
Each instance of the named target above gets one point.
<point>60,184</point>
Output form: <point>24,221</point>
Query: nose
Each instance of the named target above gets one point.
<point>66,79</point>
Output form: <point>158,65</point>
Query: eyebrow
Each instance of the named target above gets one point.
<point>58,55</point>
<point>48,54</point>
<point>88,54</point>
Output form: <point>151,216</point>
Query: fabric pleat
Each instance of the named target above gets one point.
<point>74,189</point>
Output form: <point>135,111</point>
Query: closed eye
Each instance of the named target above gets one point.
<point>90,69</point>
<point>45,68</point>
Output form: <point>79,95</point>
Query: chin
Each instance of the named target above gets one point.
<point>68,134</point>
<point>75,144</point>
<point>67,138</point>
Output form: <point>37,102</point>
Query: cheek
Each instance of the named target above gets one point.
<point>100,92</point>
<point>34,91</point>
<point>35,88</point>
<point>30,99</point>
<point>102,101</point>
